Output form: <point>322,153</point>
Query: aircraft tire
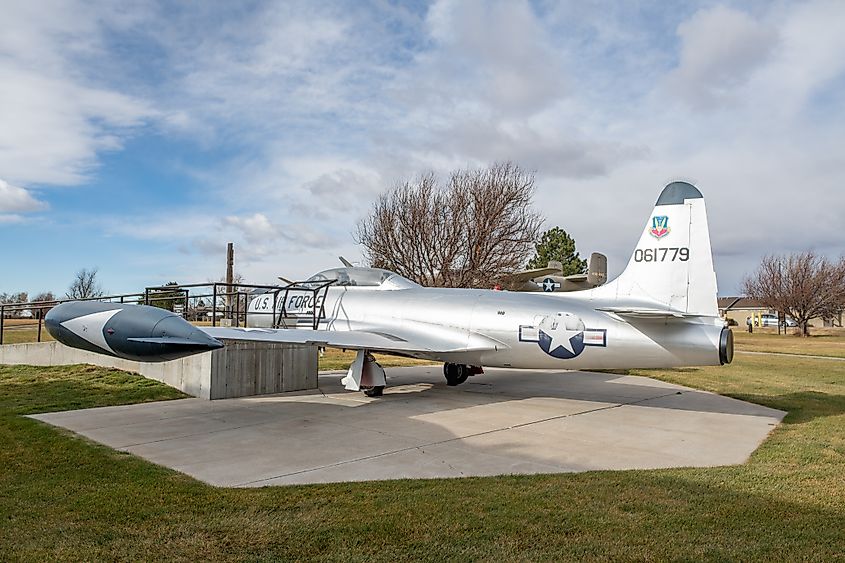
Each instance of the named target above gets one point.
<point>376,391</point>
<point>455,374</point>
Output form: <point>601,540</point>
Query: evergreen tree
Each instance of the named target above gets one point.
<point>556,244</point>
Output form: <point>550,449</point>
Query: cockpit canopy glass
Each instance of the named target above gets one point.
<point>363,277</point>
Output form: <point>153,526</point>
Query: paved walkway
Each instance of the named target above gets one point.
<point>501,422</point>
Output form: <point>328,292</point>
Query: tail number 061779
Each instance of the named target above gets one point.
<point>661,254</point>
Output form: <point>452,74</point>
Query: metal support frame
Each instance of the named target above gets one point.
<point>317,290</point>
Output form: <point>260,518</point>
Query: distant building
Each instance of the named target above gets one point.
<point>738,309</point>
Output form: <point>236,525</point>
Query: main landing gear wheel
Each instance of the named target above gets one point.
<point>376,391</point>
<point>456,373</point>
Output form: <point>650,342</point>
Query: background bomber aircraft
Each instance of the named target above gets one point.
<point>660,312</point>
<point>551,278</point>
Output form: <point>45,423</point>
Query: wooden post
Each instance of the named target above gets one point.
<point>230,275</point>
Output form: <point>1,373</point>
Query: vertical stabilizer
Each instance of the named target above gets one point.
<point>672,263</point>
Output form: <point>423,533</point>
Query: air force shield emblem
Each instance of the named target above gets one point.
<point>659,226</point>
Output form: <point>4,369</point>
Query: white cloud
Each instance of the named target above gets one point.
<point>267,73</point>
<point>18,200</point>
<point>9,219</point>
<point>494,83</point>
<point>264,234</point>
<point>721,48</point>
<point>498,53</point>
<point>807,61</point>
<point>310,110</point>
<point>56,118</point>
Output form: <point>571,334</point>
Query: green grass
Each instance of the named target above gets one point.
<point>23,333</point>
<point>822,342</point>
<point>334,359</point>
<point>62,497</point>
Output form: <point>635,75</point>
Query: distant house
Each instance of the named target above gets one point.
<point>738,309</point>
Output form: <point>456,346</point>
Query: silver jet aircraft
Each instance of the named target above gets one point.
<point>660,312</point>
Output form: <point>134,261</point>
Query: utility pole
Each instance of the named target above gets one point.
<point>230,267</point>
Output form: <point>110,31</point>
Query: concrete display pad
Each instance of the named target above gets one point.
<point>502,422</point>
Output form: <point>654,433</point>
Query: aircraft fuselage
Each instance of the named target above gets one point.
<point>534,331</point>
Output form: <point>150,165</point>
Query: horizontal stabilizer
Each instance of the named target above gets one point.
<point>643,313</point>
<point>528,275</point>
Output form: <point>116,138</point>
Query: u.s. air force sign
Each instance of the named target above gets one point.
<point>562,335</point>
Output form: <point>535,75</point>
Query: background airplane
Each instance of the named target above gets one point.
<point>660,312</point>
<point>551,278</point>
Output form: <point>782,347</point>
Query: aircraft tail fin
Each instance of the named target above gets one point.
<point>672,263</point>
<point>597,270</point>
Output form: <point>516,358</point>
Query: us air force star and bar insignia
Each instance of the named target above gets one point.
<point>562,336</point>
<point>550,285</point>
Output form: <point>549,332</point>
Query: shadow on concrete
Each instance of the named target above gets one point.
<point>599,387</point>
<point>503,422</point>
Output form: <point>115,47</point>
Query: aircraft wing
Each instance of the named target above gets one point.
<point>371,338</point>
<point>528,275</point>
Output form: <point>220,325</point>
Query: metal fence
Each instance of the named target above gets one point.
<point>228,304</point>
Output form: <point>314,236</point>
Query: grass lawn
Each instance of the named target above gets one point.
<point>63,497</point>
<point>24,332</point>
<point>334,359</point>
<point>821,342</point>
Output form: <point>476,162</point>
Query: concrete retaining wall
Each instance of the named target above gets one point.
<point>237,370</point>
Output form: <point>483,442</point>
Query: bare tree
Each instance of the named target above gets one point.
<point>44,297</point>
<point>20,297</point>
<point>467,233</point>
<point>803,285</point>
<point>85,285</point>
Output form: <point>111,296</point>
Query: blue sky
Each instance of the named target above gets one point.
<point>140,137</point>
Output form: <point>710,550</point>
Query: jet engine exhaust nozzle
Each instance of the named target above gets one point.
<point>726,346</point>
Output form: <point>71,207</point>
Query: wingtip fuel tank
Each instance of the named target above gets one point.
<point>132,332</point>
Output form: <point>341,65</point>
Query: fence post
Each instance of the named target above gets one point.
<point>214,306</point>
<point>39,326</point>
<point>237,311</point>
<point>2,319</point>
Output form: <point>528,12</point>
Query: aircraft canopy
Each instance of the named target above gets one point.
<point>364,277</point>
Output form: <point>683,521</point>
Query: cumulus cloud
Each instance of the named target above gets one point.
<point>17,200</point>
<point>495,83</point>
<point>56,120</point>
<point>721,48</point>
<point>499,53</point>
<point>257,229</point>
<point>309,110</point>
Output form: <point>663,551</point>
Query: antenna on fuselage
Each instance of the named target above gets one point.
<point>346,262</point>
